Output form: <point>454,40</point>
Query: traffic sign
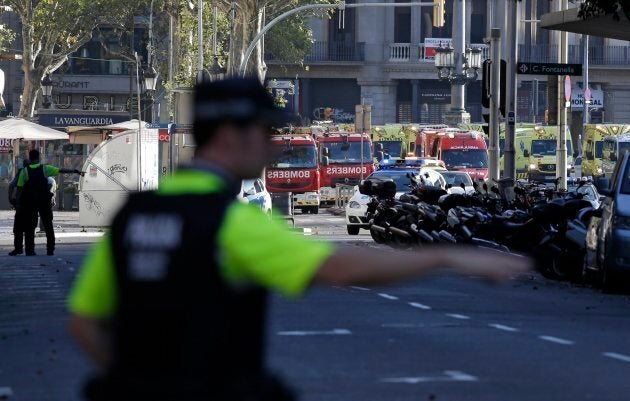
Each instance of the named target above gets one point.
<point>587,94</point>
<point>567,88</point>
<point>548,69</point>
<point>511,118</point>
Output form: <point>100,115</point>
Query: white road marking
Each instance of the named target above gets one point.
<point>503,327</point>
<point>619,357</point>
<point>93,234</point>
<point>457,316</point>
<point>307,231</point>
<point>387,296</point>
<point>403,325</point>
<point>334,332</point>
<point>556,340</point>
<point>359,288</point>
<point>419,306</point>
<point>449,376</point>
<point>5,392</point>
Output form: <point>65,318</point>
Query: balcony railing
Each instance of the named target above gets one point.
<point>401,52</point>
<point>322,51</point>
<point>597,55</point>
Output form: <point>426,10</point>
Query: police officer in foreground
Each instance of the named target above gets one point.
<point>35,199</point>
<point>171,303</point>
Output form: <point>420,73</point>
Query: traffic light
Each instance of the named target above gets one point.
<point>438,13</point>
<point>485,85</point>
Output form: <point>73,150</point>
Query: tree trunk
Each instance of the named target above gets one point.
<point>249,15</point>
<point>260,66</point>
<point>29,94</point>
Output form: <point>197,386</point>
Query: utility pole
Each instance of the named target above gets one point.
<point>457,113</point>
<point>202,74</point>
<point>509,165</point>
<point>585,90</point>
<point>495,102</point>
<point>561,146</point>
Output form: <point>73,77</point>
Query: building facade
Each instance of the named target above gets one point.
<point>384,57</point>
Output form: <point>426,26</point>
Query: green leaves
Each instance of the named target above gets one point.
<point>594,8</point>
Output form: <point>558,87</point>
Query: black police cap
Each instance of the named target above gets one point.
<point>237,100</point>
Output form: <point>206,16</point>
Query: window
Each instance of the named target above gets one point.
<point>296,156</point>
<point>259,187</point>
<point>402,24</point>
<point>349,152</point>
<point>625,184</point>
<point>462,158</point>
<point>248,187</point>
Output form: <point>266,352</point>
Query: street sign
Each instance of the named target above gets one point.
<point>567,89</point>
<point>588,94</point>
<point>511,118</point>
<point>548,69</point>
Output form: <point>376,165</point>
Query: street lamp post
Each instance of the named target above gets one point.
<point>458,65</point>
<point>47,85</point>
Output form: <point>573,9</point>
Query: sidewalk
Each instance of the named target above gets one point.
<point>67,229</point>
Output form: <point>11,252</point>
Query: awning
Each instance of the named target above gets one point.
<point>96,135</point>
<point>19,128</point>
<point>604,26</point>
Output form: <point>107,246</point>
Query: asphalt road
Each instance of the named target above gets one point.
<point>444,338</point>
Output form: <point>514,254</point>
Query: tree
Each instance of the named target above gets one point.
<point>289,41</point>
<point>593,8</point>
<point>52,30</point>
<point>291,38</point>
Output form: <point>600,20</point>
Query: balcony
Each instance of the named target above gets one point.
<point>402,52</point>
<point>326,52</point>
<point>399,52</point>
<point>598,55</point>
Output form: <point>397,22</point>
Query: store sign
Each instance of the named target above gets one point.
<point>82,120</point>
<point>67,83</point>
<point>71,84</point>
<point>431,44</point>
<point>435,96</point>
<point>577,99</point>
<point>6,145</point>
<point>283,93</point>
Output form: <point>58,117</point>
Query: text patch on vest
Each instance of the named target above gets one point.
<point>150,238</point>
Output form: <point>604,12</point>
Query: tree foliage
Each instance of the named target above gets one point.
<point>593,8</point>
<point>289,41</point>
<point>53,29</point>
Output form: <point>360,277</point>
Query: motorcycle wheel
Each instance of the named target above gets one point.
<point>589,277</point>
<point>559,269</point>
<point>377,237</point>
<point>610,282</point>
<point>544,263</point>
<point>401,243</point>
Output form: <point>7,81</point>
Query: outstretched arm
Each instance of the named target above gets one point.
<point>71,171</point>
<point>369,266</point>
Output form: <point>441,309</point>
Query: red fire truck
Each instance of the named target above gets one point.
<point>345,159</point>
<point>461,151</point>
<point>296,170</point>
